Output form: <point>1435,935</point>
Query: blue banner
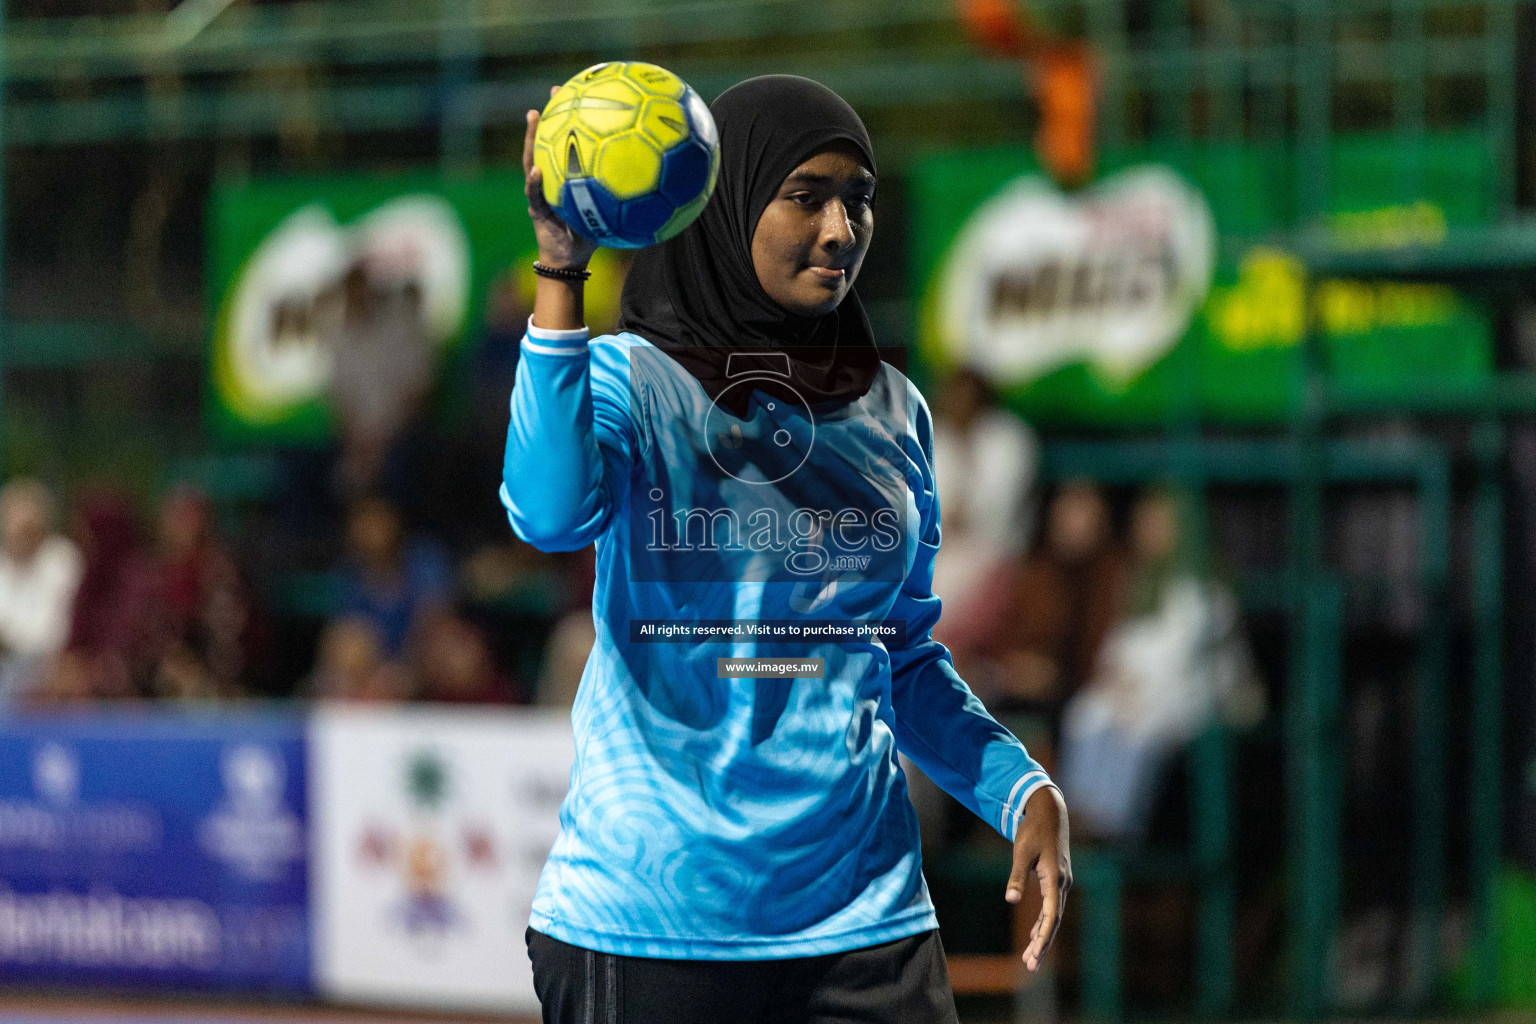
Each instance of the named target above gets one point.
<point>154,851</point>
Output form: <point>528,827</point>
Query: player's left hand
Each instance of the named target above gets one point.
<point>1041,845</point>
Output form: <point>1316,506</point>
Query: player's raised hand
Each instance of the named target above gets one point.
<point>1041,845</point>
<point>559,246</point>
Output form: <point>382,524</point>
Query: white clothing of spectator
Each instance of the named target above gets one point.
<point>1176,663</point>
<point>382,374</point>
<point>40,571</point>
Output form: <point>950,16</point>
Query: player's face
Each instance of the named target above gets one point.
<point>812,237</point>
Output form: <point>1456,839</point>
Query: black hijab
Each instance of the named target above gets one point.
<point>697,297</point>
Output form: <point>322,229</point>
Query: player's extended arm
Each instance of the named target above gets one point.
<point>553,477</point>
<point>940,723</point>
<point>945,730</point>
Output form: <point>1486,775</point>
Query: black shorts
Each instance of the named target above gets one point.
<point>900,982</point>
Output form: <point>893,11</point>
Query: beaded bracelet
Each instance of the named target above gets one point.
<point>561,273</point>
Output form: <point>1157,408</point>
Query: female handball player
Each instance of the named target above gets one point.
<point>738,846</point>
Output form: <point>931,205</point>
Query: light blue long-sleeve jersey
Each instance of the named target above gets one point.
<point>729,818</point>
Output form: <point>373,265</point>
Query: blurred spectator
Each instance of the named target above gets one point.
<point>456,666</point>
<point>114,629</point>
<point>985,459</point>
<point>352,665</point>
<point>207,614</point>
<point>569,643</point>
<point>565,658</point>
<point>1176,661</point>
<point>182,673</point>
<point>381,379</point>
<point>39,573</point>
<point>392,581</point>
<point>460,503</point>
<point>70,678</point>
<point>1063,601</point>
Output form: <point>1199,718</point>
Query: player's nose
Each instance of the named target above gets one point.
<point>836,228</point>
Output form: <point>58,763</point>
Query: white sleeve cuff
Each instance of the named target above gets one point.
<point>547,336</point>
<point>1013,809</point>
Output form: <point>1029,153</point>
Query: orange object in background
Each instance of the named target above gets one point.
<point>996,25</point>
<point>1065,83</point>
<point>1059,73</point>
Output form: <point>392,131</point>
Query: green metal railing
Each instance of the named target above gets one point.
<point>1314,761</point>
<point>1481,406</point>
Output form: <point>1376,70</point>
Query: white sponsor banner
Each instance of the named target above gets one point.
<point>430,827</point>
<point>285,307</point>
<point>1110,276</point>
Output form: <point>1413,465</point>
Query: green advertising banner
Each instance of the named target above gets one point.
<point>1144,295</point>
<point>282,253</point>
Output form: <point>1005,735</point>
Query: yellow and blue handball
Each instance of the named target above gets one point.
<point>629,154</point>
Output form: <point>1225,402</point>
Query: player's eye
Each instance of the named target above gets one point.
<point>804,199</point>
